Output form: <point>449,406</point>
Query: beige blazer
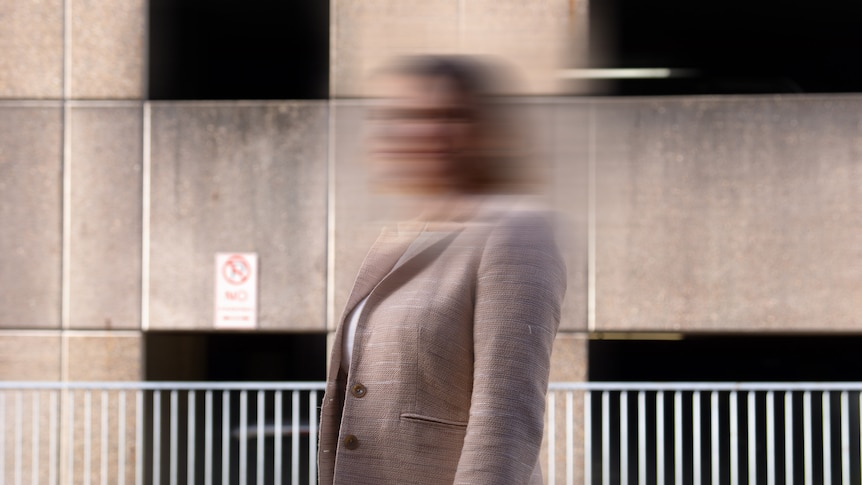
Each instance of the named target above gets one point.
<point>451,357</point>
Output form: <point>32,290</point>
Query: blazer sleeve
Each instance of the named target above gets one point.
<point>519,290</point>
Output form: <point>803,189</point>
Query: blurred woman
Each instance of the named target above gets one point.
<point>440,363</point>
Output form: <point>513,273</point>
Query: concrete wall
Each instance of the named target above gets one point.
<point>704,214</point>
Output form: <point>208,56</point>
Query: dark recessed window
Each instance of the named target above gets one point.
<point>732,46</point>
<point>232,49</point>
<point>228,356</point>
<point>727,358</point>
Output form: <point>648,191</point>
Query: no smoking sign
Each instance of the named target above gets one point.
<point>236,290</point>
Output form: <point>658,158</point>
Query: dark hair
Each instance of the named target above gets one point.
<point>470,77</point>
<point>483,86</point>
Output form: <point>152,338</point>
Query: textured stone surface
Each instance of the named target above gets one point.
<point>569,183</point>
<point>733,214</point>
<point>105,267</point>
<point>31,40</point>
<point>532,36</point>
<point>238,177</point>
<point>31,216</point>
<point>104,356</point>
<point>370,32</point>
<point>360,211</point>
<point>30,356</point>
<point>108,48</point>
<point>568,364</point>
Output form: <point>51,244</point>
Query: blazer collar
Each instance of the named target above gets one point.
<point>393,249</point>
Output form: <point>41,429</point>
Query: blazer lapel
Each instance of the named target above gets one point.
<point>392,250</point>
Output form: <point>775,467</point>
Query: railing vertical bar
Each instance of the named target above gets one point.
<point>588,438</point>
<point>174,426</point>
<point>659,440</point>
<point>770,438</point>
<point>225,437</point>
<point>788,438</point>
<point>37,431</point>
<point>677,439</point>
<point>121,437</point>
<point>845,437</point>
<point>88,418</point>
<point>734,439</point>
<point>624,437</point>
<point>806,419</point>
<point>53,452</point>
<point>859,400</point>
<point>312,438</point>
<point>103,459</point>
<point>157,437</point>
<point>696,464</point>
<point>19,436</point>
<point>277,439</point>
<point>243,437</point>
<point>570,439</point>
<point>294,438</point>
<point>552,438</point>
<point>715,456</point>
<point>826,420</point>
<point>752,438</point>
<point>139,438</point>
<point>606,438</point>
<point>208,437</point>
<point>261,433</point>
<point>71,454</point>
<point>642,446</point>
<point>191,437</point>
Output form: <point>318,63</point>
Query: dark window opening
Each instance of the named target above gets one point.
<point>736,46</point>
<point>727,358</point>
<point>227,49</point>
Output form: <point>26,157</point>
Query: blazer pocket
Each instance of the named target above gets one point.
<point>421,419</point>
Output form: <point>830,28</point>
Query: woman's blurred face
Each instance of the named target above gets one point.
<point>423,134</point>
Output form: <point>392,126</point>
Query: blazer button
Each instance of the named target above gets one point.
<point>351,442</point>
<point>358,390</point>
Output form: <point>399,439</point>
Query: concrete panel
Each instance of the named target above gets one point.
<point>104,356</point>
<point>568,364</point>
<point>31,215</point>
<point>105,267</point>
<point>108,48</point>
<point>360,212</point>
<point>370,32</point>
<point>29,357</point>
<point>244,177</point>
<point>569,126</point>
<point>31,40</point>
<point>729,214</point>
<point>531,36</point>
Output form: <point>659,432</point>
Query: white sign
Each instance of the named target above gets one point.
<point>236,290</point>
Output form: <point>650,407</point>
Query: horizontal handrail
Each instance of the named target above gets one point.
<point>164,385</point>
<point>705,386</point>
<point>319,385</point>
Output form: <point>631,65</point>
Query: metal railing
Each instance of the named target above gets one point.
<point>262,433</point>
<point>158,432</point>
<point>705,433</point>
